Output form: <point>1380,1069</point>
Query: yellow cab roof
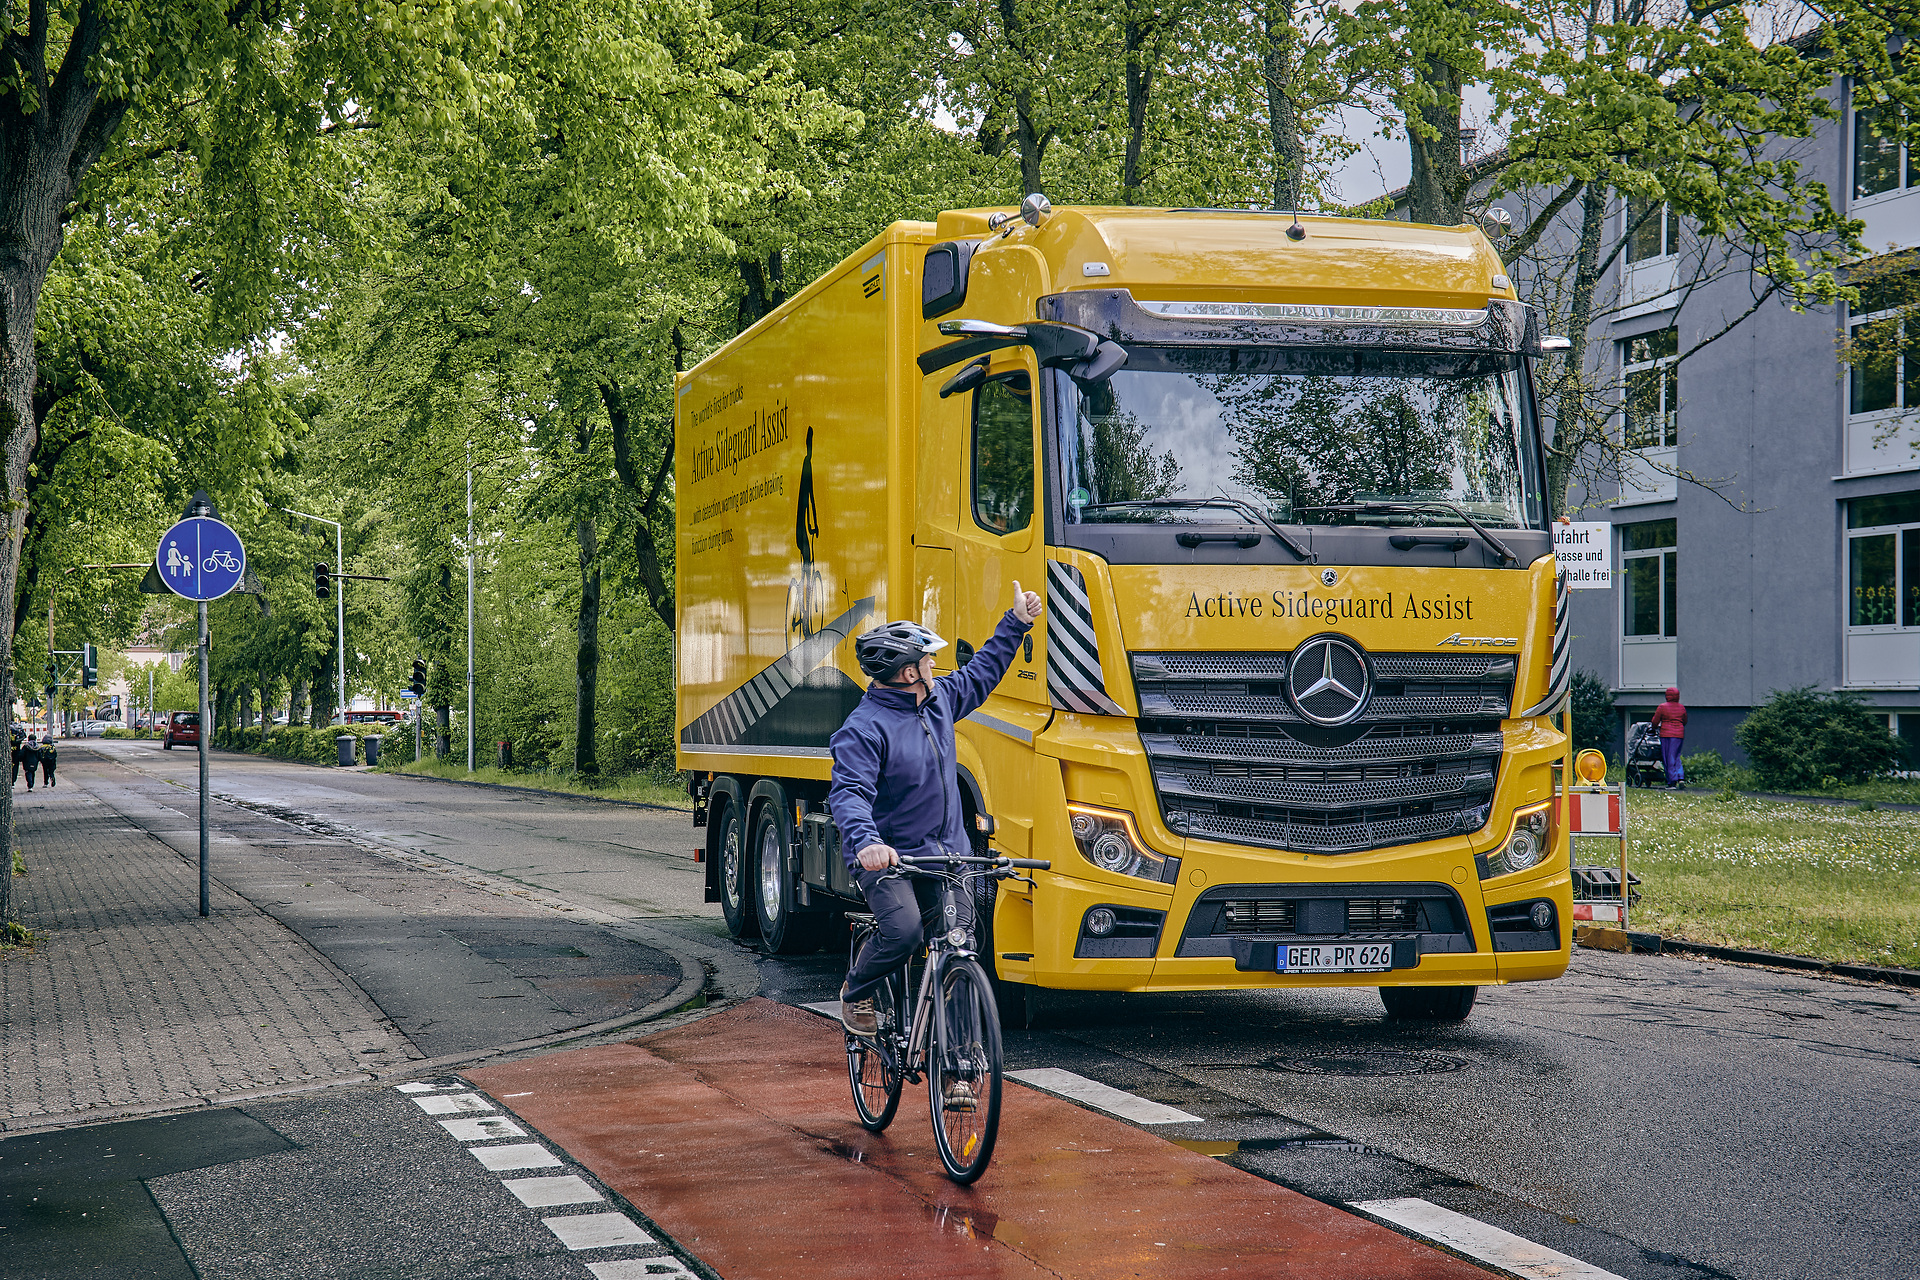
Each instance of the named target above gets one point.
<point>1233,254</point>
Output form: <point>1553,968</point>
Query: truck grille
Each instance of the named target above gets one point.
<point>1232,760</point>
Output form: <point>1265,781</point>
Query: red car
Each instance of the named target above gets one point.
<point>183,727</point>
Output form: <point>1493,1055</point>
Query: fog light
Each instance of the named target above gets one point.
<point>1542,916</point>
<point>1100,922</point>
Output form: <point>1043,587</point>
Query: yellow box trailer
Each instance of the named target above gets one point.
<point>1289,719</point>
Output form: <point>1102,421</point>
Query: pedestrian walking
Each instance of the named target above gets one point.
<point>30,758</point>
<point>1670,722</point>
<point>49,757</point>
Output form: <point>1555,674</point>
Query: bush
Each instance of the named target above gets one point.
<point>294,741</point>
<point>1594,721</point>
<point>1707,769</point>
<point>116,733</point>
<point>1798,739</point>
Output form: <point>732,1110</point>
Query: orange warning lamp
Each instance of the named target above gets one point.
<point>1591,766</point>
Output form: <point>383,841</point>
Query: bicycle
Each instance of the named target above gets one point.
<point>961,1047</point>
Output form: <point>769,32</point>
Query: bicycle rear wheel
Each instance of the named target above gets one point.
<point>873,1065</point>
<point>963,1078</point>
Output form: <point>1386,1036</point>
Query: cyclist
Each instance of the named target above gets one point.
<point>895,790</point>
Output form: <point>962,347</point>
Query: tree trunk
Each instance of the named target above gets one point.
<point>645,550</point>
<point>586,688</point>
<point>297,703</point>
<point>1435,193</point>
<point>1139,80</point>
<point>1283,113</point>
<point>443,736</point>
<point>1576,419</point>
<point>53,126</point>
<point>1031,139</point>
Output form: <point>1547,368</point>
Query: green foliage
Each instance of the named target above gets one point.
<point>1707,769</point>
<point>294,742</point>
<point>116,733</point>
<point>1594,721</point>
<point>1799,738</point>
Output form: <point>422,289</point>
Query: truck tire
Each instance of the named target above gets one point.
<point>785,930</point>
<point>731,850</point>
<point>1428,1004</point>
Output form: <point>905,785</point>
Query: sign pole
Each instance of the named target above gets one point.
<point>205,729</point>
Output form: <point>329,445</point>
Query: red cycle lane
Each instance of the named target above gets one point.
<point>736,1135</point>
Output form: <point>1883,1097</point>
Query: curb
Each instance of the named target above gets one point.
<point>1654,944</point>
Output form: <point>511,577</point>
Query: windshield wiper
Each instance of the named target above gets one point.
<point>1500,548</point>
<point>1232,504</point>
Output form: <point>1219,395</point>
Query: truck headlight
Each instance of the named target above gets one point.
<point>1107,839</point>
<point>1528,843</point>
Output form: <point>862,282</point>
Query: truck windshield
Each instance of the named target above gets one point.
<point>1386,438</point>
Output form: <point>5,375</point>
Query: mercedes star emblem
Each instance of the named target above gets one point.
<point>1328,577</point>
<point>1328,681</point>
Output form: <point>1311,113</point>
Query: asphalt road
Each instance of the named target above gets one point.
<point>1654,1116</point>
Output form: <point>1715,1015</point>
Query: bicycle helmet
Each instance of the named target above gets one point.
<point>883,651</point>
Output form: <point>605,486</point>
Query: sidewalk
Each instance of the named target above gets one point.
<point>134,1001</point>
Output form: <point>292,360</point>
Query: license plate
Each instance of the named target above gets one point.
<point>1337,957</point>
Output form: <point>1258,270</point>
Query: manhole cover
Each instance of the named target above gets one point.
<point>1366,1062</point>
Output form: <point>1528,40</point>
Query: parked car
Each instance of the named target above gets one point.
<point>183,729</point>
<point>373,717</point>
<point>90,728</point>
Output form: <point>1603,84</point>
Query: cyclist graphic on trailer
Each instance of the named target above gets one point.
<point>895,790</point>
<point>806,519</point>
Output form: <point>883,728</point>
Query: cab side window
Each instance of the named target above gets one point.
<point>1003,454</point>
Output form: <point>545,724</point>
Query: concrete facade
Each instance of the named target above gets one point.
<point>1761,549</point>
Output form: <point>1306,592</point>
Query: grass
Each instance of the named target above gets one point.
<point>15,936</point>
<point>1829,881</point>
<point>670,794</point>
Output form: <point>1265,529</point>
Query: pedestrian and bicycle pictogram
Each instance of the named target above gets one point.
<point>200,558</point>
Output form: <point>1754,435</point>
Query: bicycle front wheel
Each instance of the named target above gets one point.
<point>963,1078</point>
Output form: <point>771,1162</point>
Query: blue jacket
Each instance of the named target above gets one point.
<point>894,780</point>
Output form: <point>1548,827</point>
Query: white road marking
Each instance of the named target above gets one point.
<point>1478,1240</point>
<point>446,1105</point>
<point>825,1008</point>
<point>544,1193</point>
<point>420,1086</point>
<point>640,1269</point>
<point>483,1129</point>
<point>1117,1102</point>
<point>519,1155</point>
<point>597,1230</point>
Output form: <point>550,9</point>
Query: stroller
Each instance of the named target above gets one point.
<point>1644,766</point>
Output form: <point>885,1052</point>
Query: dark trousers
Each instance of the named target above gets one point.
<point>46,772</point>
<point>901,905</point>
<point>1670,757</point>
<point>30,767</point>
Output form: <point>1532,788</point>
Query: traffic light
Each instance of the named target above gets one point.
<point>322,582</point>
<point>418,687</point>
<point>89,666</point>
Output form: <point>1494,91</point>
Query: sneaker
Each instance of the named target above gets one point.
<point>959,1096</point>
<point>857,1016</point>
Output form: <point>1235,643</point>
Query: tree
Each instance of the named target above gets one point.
<point>256,96</point>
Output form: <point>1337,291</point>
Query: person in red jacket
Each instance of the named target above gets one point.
<point>1670,722</point>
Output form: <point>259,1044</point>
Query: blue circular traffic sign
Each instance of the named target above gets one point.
<point>200,558</point>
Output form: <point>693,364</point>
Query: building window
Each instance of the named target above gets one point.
<point>1651,555</point>
<point>1880,164</point>
<point>1651,232</point>
<point>1884,341</point>
<point>1883,561</point>
<point>1651,365</point>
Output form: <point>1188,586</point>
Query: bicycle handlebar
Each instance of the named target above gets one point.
<point>1035,864</point>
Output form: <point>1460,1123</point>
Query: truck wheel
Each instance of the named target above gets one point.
<point>735,905</point>
<point>784,930</point>
<point>1428,1004</point>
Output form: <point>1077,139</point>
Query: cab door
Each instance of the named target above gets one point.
<point>997,538</point>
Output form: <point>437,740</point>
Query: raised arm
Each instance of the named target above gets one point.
<point>966,689</point>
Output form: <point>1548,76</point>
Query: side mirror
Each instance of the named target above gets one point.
<point>1106,360</point>
<point>966,380</point>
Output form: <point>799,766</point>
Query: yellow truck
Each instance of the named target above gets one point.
<point>1290,717</point>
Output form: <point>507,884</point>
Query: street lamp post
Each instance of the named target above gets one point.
<point>339,598</point>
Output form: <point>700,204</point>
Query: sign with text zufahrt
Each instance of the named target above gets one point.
<point>1585,553</point>
<point>200,558</point>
